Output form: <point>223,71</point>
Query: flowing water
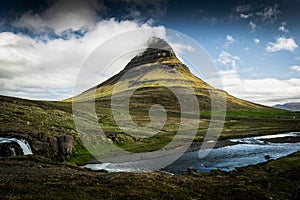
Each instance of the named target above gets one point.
<point>247,151</point>
<point>23,144</point>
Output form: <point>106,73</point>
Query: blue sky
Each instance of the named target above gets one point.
<point>254,44</point>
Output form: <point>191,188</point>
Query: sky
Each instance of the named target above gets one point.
<point>254,44</point>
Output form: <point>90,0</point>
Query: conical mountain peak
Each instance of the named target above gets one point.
<point>158,43</point>
<point>158,50</point>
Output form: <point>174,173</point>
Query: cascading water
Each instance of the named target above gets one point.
<point>22,143</point>
<point>13,152</point>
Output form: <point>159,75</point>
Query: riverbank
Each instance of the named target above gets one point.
<point>29,178</point>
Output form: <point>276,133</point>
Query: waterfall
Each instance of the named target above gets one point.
<point>13,152</point>
<point>23,144</point>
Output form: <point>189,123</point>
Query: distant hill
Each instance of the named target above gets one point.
<point>295,106</point>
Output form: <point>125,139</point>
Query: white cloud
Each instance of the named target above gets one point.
<point>179,48</point>
<point>229,38</point>
<point>269,14</point>
<point>34,69</point>
<point>283,27</point>
<point>245,16</point>
<point>295,68</point>
<point>256,40</point>
<point>252,26</point>
<point>63,15</point>
<point>226,59</point>
<point>267,91</point>
<point>282,43</point>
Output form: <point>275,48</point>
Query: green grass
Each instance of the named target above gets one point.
<point>53,118</point>
<point>258,113</point>
<point>81,156</point>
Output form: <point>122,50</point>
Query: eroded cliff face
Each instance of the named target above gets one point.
<point>58,148</point>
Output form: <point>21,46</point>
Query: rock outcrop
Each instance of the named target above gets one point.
<point>58,148</point>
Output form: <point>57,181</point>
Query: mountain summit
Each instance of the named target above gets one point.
<point>158,50</point>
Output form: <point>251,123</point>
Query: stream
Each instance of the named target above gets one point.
<point>247,151</point>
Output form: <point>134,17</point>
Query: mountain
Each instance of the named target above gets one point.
<point>158,63</point>
<point>288,106</point>
<point>150,78</point>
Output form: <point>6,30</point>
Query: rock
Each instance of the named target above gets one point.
<point>192,170</point>
<point>267,157</point>
<point>10,149</point>
<point>59,148</point>
<point>65,147</point>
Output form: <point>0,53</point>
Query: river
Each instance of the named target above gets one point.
<point>247,151</point>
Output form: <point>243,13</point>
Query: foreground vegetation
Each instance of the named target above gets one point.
<point>29,178</point>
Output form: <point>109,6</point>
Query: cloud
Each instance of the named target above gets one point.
<point>269,14</point>
<point>226,59</point>
<point>283,27</point>
<point>35,69</point>
<point>229,40</point>
<point>256,40</point>
<point>243,8</point>
<point>63,15</point>
<point>179,48</point>
<point>245,16</point>
<point>252,26</point>
<point>282,43</point>
<point>295,68</point>
<point>266,91</point>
